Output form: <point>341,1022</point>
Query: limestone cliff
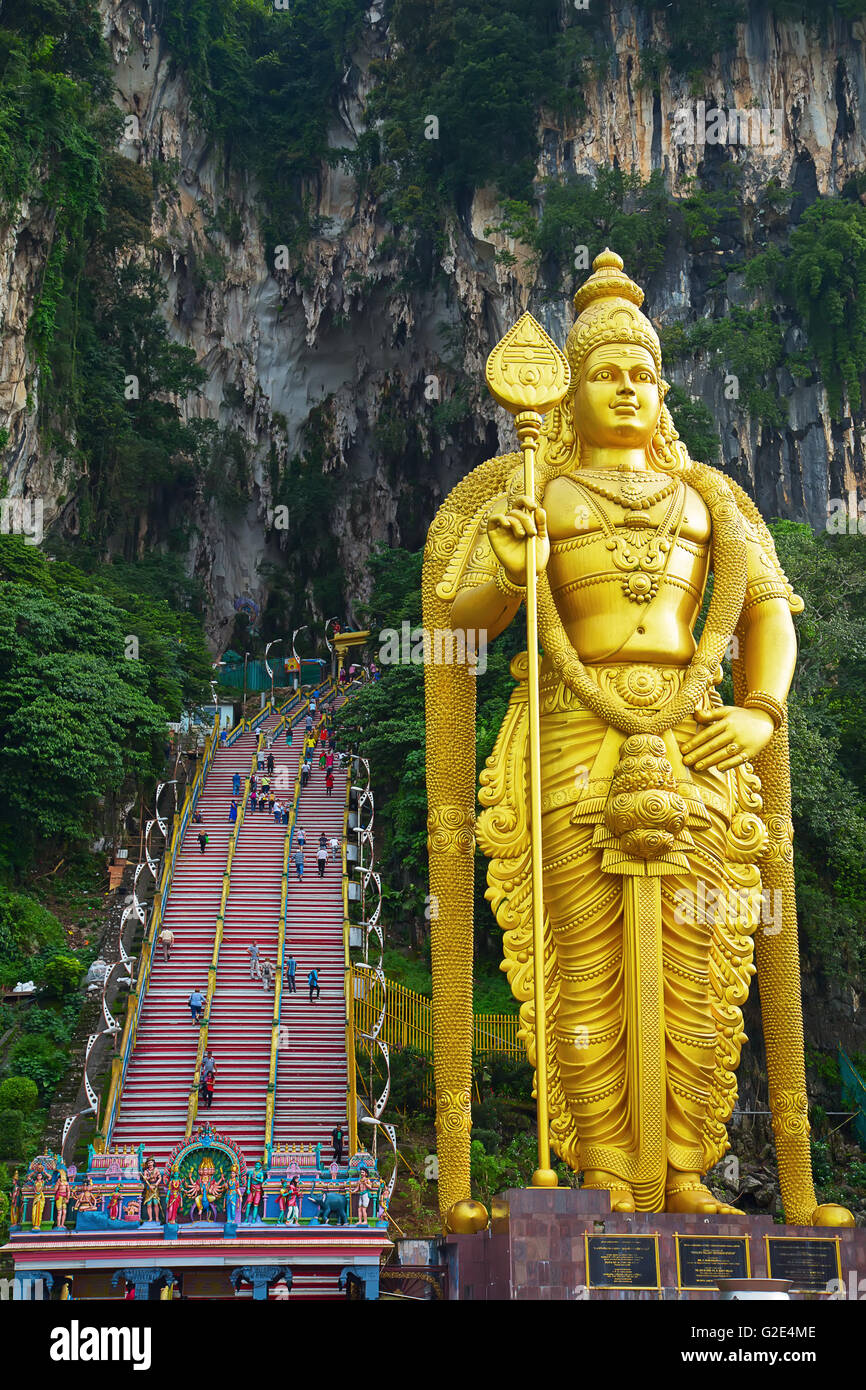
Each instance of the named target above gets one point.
<point>338,332</point>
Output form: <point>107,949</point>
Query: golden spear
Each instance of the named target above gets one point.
<point>528,375</point>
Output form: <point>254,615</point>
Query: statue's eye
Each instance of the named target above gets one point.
<point>603,375</point>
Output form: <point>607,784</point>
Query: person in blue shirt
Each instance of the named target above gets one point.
<point>313,982</point>
<point>236,784</point>
<point>298,859</point>
<point>291,968</point>
<point>196,1004</point>
<point>233,812</point>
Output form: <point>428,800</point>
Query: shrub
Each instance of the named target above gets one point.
<point>61,974</point>
<point>11,1132</point>
<point>489,1138</point>
<point>25,927</point>
<point>411,1079</point>
<point>18,1093</point>
<point>40,1060</point>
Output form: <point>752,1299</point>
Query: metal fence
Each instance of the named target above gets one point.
<point>408,1020</point>
<point>312,671</point>
<point>854,1094</point>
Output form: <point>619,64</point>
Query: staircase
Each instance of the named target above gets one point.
<point>311,1072</point>
<point>311,1069</point>
<point>156,1089</point>
<point>239,1034</point>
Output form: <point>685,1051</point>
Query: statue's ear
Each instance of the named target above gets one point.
<point>664,387</point>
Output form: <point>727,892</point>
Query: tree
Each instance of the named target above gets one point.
<point>18,1093</point>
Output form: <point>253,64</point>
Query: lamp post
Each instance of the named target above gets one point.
<point>329,644</point>
<point>244,699</point>
<point>295,651</point>
<point>268,667</point>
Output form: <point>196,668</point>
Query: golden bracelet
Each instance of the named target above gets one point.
<point>505,586</point>
<point>759,699</point>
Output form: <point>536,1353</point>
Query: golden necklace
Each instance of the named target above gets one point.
<point>642,572</point>
<point>633,492</point>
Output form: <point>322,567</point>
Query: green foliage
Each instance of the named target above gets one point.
<point>265,83</point>
<point>826,275</point>
<point>81,712</point>
<point>479,68</point>
<point>54,93</point>
<point>828,743</point>
<point>695,425</point>
<point>310,568</point>
<point>40,1060</point>
<point>29,933</point>
<point>747,343</point>
<point>11,1133</point>
<point>411,1080</point>
<point>820,275</point>
<point>612,209</point>
<point>111,367</point>
<point>18,1092</point>
<point>61,975</point>
<point>697,34</point>
<point>512,1166</point>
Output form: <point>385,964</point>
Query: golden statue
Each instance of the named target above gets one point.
<point>638,830</point>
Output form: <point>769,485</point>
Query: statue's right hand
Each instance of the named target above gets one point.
<point>508,530</point>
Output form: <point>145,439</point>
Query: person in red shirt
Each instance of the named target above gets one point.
<point>329,783</point>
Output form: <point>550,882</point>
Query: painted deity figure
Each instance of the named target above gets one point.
<point>173,1198</point>
<point>85,1198</point>
<point>114,1204</point>
<point>364,1189</point>
<point>665,812</point>
<point>37,1205</point>
<point>151,1181</point>
<point>233,1197</point>
<point>15,1201</point>
<point>255,1193</point>
<point>293,1211</point>
<point>283,1201</point>
<point>61,1197</point>
<point>203,1189</point>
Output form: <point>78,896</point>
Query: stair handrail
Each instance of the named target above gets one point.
<point>120,1062</point>
<point>270,1103</point>
<point>192,1104</point>
<point>349,986</point>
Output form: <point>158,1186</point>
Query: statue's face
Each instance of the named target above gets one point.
<point>618,397</point>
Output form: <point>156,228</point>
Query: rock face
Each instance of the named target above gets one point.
<point>337,335</point>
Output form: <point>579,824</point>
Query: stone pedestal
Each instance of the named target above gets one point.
<point>538,1249</point>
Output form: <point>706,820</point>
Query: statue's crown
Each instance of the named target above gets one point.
<point>608,308</point>
<point>607,281</point>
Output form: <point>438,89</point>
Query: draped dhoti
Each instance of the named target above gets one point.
<point>647,966</point>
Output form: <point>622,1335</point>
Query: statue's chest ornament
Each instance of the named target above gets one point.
<point>637,549</point>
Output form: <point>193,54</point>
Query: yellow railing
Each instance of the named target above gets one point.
<point>130,1027</point>
<point>408,1019</point>
<point>349,987</point>
<point>192,1106</point>
<point>278,984</point>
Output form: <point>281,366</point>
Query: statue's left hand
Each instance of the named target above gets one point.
<point>732,736</point>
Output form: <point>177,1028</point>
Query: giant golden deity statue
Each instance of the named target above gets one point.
<point>638,829</point>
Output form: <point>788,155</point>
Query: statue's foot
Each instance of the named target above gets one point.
<point>621,1196</point>
<point>696,1199</point>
